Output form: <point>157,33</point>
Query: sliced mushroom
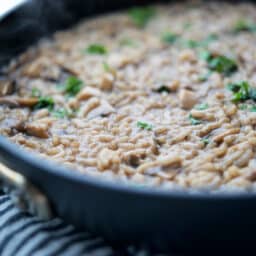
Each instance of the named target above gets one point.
<point>11,102</point>
<point>42,67</point>
<point>18,101</point>
<point>11,124</point>
<point>88,92</point>
<point>14,121</point>
<point>90,105</point>
<point>103,110</point>
<point>203,115</point>
<point>172,86</point>
<point>108,159</point>
<point>220,137</point>
<point>27,102</point>
<point>106,82</point>
<point>187,99</point>
<point>6,87</point>
<point>164,168</point>
<point>133,158</point>
<point>66,69</point>
<point>37,129</point>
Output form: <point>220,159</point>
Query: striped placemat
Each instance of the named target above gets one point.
<point>24,235</point>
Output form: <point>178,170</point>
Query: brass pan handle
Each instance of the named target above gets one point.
<point>25,195</point>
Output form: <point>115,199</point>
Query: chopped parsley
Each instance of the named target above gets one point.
<point>45,102</point>
<point>191,43</point>
<point>169,37</point>
<point>163,89</point>
<point>106,67</point>
<point>252,92</point>
<point>202,106</point>
<point>251,108</point>
<point>72,86</point>
<point>220,64</point>
<point>209,39</point>
<point>141,15</point>
<point>203,43</point>
<point>193,120</point>
<point>205,140</point>
<point>128,42</point>
<point>187,26</point>
<point>243,106</point>
<point>205,55</point>
<point>205,77</point>
<point>36,93</point>
<point>96,49</point>
<point>244,25</point>
<point>242,91</point>
<point>62,113</point>
<point>144,125</point>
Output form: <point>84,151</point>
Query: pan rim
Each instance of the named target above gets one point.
<point>53,168</point>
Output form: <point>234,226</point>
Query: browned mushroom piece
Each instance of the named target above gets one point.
<point>7,87</point>
<point>187,99</point>
<point>18,102</point>
<point>104,110</point>
<point>27,102</point>
<point>38,130</point>
<point>9,101</point>
<point>88,92</point>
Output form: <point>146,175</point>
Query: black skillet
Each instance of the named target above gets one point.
<point>119,213</point>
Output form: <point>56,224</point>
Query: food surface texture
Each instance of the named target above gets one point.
<point>156,96</point>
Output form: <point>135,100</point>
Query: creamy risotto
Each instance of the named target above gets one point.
<point>160,96</point>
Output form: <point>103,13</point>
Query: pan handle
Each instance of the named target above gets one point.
<point>25,195</point>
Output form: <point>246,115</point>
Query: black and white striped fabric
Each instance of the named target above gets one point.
<point>23,235</point>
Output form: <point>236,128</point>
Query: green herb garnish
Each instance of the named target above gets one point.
<point>72,86</point>
<point>106,67</point>
<point>205,55</point>
<point>243,106</point>
<point>187,26</point>
<point>205,77</point>
<point>36,92</point>
<point>251,108</point>
<point>193,120</point>
<point>141,15</point>
<point>169,37</point>
<point>202,106</point>
<point>62,113</point>
<point>204,43</point>
<point>244,25</point>
<point>45,102</point>
<point>241,91</point>
<point>144,125</point>
<point>96,49</point>
<point>128,42</point>
<point>191,44</point>
<point>209,39</point>
<point>252,93</point>
<point>220,64</point>
<point>205,140</point>
<point>162,89</point>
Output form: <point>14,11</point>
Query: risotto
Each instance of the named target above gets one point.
<point>160,96</point>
